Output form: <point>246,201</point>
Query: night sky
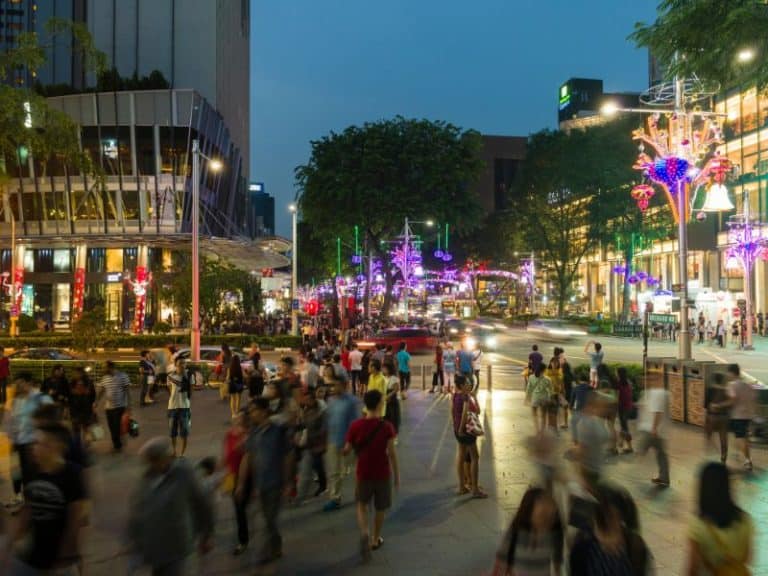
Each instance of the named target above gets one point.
<point>491,65</point>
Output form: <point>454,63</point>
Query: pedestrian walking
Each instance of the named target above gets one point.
<point>147,377</point>
<point>596,357</point>
<point>717,404</point>
<point>114,386</point>
<point>579,399</point>
<point>627,410</point>
<point>233,451</point>
<point>651,426</point>
<point>236,384</point>
<point>593,438</point>
<point>372,439</point>
<point>743,402</point>
<point>538,395</point>
<point>449,368</point>
<point>179,407</point>
<point>5,374</point>
<point>46,538</point>
<point>168,513</point>
<point>267,458</point>
<point>568,380</point>
<point>392,408</point>
<point>378,381</point>
<point>477,365</point>
<point>356,368</point>
<point>342,410</point>
<point>535,359</point>
<point>554,372</point>
<point>465,412</point>
<point>404,370</point>
<point>81,399</point>
<point>313,442</point>
<point>720,333</point>
<point>464,361</point>
<point>225,359</point>
<point>533,543</point>
<point>55,385</point>
<point>721,535</point>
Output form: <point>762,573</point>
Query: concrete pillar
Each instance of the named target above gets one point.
<point>140,284</point>
<point>81,256</point>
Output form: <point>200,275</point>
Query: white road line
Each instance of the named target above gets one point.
<point>724,361</point>
<point>433,465</point>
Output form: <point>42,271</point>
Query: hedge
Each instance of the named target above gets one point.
<point>151,340</point>
<point>634,372</point>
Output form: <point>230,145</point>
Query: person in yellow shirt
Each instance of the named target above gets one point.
<point>377,381</point>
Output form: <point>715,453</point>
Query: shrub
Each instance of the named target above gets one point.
<point>634,372</point>
<point>161,328</point>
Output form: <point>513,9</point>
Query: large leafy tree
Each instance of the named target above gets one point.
<point>705,37</point>
<point>377,174</point>
<point>571,191</point>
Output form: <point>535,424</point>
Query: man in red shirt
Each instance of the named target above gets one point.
<point>372,439</point>
<point>4,374</point>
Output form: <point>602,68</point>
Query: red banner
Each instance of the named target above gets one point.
<point>18,285</point>
<point>140,284</point>
<point>79,293</point>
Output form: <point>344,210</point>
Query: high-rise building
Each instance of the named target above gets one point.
<point>580,100</point>
<point>262,210</point>
<point>502,157</point>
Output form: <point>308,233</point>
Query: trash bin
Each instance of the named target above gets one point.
<point>654,370</point>
<point>675,383</point>
<point>698,375</point>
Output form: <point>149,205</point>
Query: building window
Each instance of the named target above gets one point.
<point>62,261</point>
<point>43,260</point>
<point>61,295</point>
<point>96,260</point>
<point>114,260</point>
<point>29,261</point>
<point>130,259</point>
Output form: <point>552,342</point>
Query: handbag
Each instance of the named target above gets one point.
<point>96,432</point>
<point>473,427</point>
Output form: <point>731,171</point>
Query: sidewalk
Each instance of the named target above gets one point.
<point>429,531</point>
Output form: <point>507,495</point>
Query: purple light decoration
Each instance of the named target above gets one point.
<point>620,269</point>
<point>632,279</point>
<point>357,259</point>
<point>641,276</point>
<point>669,171</point>
<point>438,254</point>
<point>360,278</point>
<point>447,257</point>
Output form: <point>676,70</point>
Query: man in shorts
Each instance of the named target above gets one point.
<point>595,359</point>
<point>179,407</point>
<point>743,399</point>
<point>372,439</point>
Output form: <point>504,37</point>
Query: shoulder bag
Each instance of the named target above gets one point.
<point>358,448</point>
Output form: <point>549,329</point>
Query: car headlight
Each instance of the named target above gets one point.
<point>453,331</point>
<point>490,342</point>
<point>470,342</point>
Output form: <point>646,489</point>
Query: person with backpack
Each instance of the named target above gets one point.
<point>721,535</point>
<point>179,406</point>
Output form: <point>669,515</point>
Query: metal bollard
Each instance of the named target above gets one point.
<point>489,378</point>
<point>423,377</point>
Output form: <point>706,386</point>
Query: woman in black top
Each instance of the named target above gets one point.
<point>235,384</point>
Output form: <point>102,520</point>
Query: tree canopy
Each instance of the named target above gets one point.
<point>377,174</point>
<point>571,191</point>
<point>705,37</point>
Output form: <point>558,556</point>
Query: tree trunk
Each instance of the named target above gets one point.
<point>627,287</point>
<point>388,287</point>
<point>563,283</point>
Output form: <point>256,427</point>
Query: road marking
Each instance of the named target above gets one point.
<point>421,421</point>
<point>433,466</point>
<point>724,361</point>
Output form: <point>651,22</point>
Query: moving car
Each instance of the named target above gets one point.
<point>554,329</point>
<point>416,339</point>
<point>210,356</point>
<point>483,337</point>
<point>42,354</point>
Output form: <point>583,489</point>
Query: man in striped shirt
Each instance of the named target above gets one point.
<point>114,385</point>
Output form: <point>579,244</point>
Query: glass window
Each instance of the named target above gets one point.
<point>31,206</point>
<point>90,139</point>
<point>43,260</point>
<point>131,258</point>
<point>61,295</point>
<point>145,150</point>
<point>55,205</point>
<point>114,260</point>
<point>29,261</point>
<point>62,261</point>
<point>130,204</point>
<point>27,299</point>
<point>86,205</point>
<point>96,261</point>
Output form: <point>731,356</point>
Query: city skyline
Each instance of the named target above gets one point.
<point>317,68</point>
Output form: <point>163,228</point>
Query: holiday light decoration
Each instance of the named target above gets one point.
<point>642,194</point>
<point>79,293</point>
<point>139,287</point>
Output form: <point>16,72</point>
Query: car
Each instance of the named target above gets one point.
<point>210,355</point>
<point>554,329</point>
<point>481,336</point>
<point>416,339</point>
<point>42,354</point>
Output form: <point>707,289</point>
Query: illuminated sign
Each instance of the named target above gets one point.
<point>109,147</point>
<point>565,96</point>
<point>114,277</point>
<point>257,187</point>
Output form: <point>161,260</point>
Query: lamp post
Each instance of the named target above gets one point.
<point>678,148</point>
<point>293,209</point>
<point>407,233</point>
<point>215,166</point>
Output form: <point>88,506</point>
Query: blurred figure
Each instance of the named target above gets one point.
<point>49,526</point>
<point>55,385</point>
<point>21,431</point>
<point>438,380</point>
<point>554,372</point>
<point>718,406</point>
<point>743,402</point>
<point>168,512</point>
<point>613,545</point>
<point>449,368</point>
<point>342,410</point>
<point>477,365</point>
<point>356,369</point>
<point>627,411</point>
<point>592,439</point>
<point>114,385</point>
<point>391,390</point>
<point>720,536</point>
<point>235,383</point>
<point>147,377</point>
<point>5,373</point>
<point>404,370</point>
<point>314,445</point>
<point>651,425</point>
<point>533,543</point>
<point>568,380</point>
<point>578,401</point>
<point>595,359</point>
<point>234,450</point>
<point>539,394</point>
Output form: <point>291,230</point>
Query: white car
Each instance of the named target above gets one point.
<point>210,356</point>
<point>555,330</point>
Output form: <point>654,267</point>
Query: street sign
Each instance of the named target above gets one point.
<point>662,318</point>
<point>295,304</point>
<point>14,311</point>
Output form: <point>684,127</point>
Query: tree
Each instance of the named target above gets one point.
<point>705,37</point>
<point>376,175</point>
<point>88,329</point>
<point>570,189</point>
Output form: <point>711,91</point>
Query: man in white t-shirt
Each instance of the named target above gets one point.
<point>179,406</point>
<point>356,367</point>
<point>651,425</point>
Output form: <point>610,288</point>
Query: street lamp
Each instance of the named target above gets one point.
<point>293,209</point>
<point>407,234</point>
<point>678,148</point>
<point>215,166</point>
<point>745,55</point>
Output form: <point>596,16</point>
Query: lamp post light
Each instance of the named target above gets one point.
<point>215,166</point>
<point>293,209</point>
<point>407,233</point>
<point>678,148</point>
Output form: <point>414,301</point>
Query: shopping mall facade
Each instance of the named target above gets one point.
<point>714,286</point>
<point>79,240</point>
